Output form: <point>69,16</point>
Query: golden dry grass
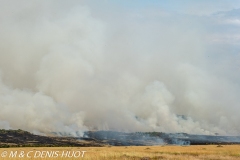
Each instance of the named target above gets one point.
<point>203,152</point>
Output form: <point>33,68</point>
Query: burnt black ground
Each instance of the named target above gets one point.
<point>158,138</point>
<point>20,138</point>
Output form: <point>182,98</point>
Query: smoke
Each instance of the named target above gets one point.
<point>69,67</point>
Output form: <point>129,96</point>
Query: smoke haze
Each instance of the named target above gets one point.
<point>69,66</point>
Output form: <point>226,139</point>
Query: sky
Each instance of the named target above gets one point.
<point>165,66</point>
<point>196,7</point>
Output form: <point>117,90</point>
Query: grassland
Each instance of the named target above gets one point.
<point>203,152</point>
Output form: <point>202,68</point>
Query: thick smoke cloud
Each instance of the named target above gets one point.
<point>66,67</point>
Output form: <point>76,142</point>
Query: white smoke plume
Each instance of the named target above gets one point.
<point>68,67</point>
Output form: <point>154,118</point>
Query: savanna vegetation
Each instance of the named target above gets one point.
<point>166,152</point>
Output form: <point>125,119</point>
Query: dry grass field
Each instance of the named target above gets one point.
<point>207,152</point>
